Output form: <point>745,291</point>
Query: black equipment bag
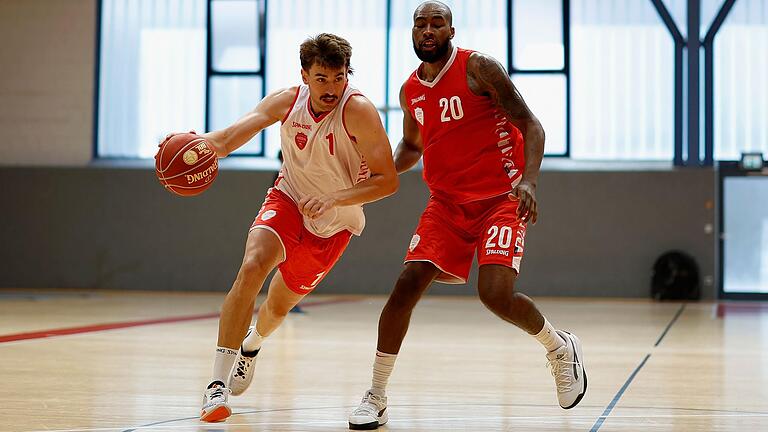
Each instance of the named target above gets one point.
<point>675,277</point>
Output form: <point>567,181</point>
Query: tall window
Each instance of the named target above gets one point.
<point>622,82</point>
<point>539,66</point>
<point>741,83</point>
<point>152,78</point>
<point>235,69</point>
<point>598,74</point>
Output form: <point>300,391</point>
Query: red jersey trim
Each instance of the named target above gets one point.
<point>344,115</point>
<point>443,71</point>
<point>295,98</point>
<point>319,118</point>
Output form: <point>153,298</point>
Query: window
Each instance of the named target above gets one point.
<point>232,97</point>
<point>545,95</point>
<point>152,74</point>
<point>538,66</point>
<point>235,70</point>
<point>622,82</point>
<point>599,75</point>
<point>741,89</point>
<point>235,41</point>
<point>538,34</point>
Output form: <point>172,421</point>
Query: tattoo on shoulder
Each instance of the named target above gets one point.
<point>487,77</point>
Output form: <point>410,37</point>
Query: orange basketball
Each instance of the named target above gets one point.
<point>185,164</point>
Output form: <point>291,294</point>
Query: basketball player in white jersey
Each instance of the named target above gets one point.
<point>336,157</point>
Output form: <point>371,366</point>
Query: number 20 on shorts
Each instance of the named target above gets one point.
<point>504,239</point>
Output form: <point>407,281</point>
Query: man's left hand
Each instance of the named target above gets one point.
<point>525,193</point>
<point>314,207</point>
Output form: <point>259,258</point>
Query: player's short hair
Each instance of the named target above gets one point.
<point>326,50</point>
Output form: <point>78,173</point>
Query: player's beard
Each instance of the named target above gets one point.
<point>440,51</point>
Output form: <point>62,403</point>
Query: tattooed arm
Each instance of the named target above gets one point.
<point>487,77</point>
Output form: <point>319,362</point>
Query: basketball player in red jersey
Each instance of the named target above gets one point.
<point>482,150</point>
<point>336,157</point>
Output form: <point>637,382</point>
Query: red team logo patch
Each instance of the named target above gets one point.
<point>301,141</point>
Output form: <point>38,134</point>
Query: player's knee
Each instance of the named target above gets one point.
<point>255,265</point>
<point>494,297</point>
<point>408,289</point>
<point>412,282</point>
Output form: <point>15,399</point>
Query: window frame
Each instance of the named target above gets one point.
<point>565,19</point>
<point>681,44</point>
<point>211,72</point>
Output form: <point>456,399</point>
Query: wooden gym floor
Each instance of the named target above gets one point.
<point>116,361</point>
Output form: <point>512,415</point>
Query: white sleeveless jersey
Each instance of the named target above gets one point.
<point>319,157</point>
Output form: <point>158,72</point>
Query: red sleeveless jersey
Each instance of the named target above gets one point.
<point>471,150</point>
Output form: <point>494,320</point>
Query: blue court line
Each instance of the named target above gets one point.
<point>623,388</point>
<point>669,326</point>
<point>616,398</point>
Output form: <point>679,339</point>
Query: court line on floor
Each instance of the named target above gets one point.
<point>698,412</point>
<point>703,413</point>
<point>671,323</point>
<point>91,328</point>
<point>616,398</point>
<point>600,420</point>
<point>409,421</point>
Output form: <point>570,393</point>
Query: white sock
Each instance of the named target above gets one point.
<point>253,341</point>
<point>549,337</point>
<point>222,364</point>
<point>382,369</point>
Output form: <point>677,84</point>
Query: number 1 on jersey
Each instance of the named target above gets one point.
<point>329,137</point>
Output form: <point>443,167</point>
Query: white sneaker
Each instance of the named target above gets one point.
<point>371,413</point>
<point>242,374</point>
<point>215,404</point>
<point>567,366</point>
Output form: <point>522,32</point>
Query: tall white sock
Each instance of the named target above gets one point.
<point>549,337</point>
<point>253,341</point>
<point>382,369</point>
<point>222,364</point>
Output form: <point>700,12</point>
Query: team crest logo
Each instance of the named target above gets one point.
<point>301,140</point>
<point>269,214</point>
<point>190,157</point>
<point>419,114</point>
<point>414,242</point>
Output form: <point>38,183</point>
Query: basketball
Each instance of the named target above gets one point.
<point>185,164</point>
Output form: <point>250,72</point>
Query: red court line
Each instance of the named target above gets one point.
<point>125,324</point>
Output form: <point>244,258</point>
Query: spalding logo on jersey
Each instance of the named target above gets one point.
<point>419,113</point>
<point>301,140</point>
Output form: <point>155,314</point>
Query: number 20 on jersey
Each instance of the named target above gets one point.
<point>451,109</point>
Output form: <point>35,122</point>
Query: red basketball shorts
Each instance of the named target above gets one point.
<point>449,234</point>
<point>308,258</point>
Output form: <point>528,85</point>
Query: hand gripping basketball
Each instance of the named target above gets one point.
<point>186,164</point>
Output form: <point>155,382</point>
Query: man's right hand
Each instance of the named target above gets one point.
<point>219,148</point>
